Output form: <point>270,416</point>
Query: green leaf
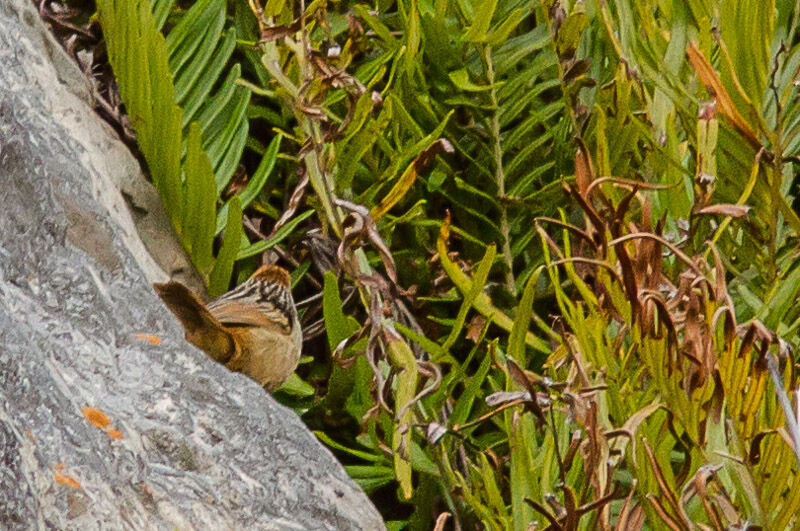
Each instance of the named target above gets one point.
<point>283,232</point>
<point>295,386</point>
<point>338,326</point>
<point>781,299</point>
<point>438,354</point>
<point>223,266</point>
<point>145,82</point>
<point>483,18</point>
<point>199,202</point>
<point>500,34</point>
<point>476,288</point>
<point>360,454</point>
<point>197,93</point>
<point>153,73</point>
<point>516,341</point>
<point>347,387</point>
<point>571,31</point>
<point>521,433</point>
<point>471,389</point>
<point>197,59</point>
<point>256,182</point>
<point>461,79</point>
<point>401,356</point>
<point>380,29</point>
<point>421,462</point>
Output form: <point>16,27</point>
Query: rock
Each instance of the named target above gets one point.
<point>108,418</point>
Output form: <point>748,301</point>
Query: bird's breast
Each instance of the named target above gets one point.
<point>268,356</point>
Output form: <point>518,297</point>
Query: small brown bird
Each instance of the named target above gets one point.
<point>252,329</point>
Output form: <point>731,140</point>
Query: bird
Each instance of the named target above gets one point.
<point>252,329</point>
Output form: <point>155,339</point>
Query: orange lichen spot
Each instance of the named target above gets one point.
<point>114,433</point>
<point>147,492</point>
<point>29,434</point>
<point>96,417</point>
<point>65,479</point>
<point>155,340</point>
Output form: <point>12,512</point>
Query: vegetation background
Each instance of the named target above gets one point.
<point>545,251</point>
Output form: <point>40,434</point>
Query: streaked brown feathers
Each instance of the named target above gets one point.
<point>272,273</point>
<point>253,329</point>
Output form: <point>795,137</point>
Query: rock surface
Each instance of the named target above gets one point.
<point>189,445</point>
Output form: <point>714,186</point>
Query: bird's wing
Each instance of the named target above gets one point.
<point>262,313</point>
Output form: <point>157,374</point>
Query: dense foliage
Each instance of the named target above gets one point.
<point>546,250</point>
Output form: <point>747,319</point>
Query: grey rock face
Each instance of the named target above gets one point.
<point>195,446</point>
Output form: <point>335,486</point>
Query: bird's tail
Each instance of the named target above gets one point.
<point>203,330</point>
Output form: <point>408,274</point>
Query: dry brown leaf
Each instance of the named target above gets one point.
<point>725,209</point>
<point>475,327</point>
<point>710,79</point>
<point>441,520</point>
<point>418,167</point>
<point>519,376</point>
<point>272,33</point>
<point>583,172</point>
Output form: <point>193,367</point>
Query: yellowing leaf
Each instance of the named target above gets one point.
<point>403,185</point>
<point>482,302</point>
<point>710,79</point>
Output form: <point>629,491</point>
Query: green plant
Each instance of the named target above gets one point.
<point>190,134</point>
<point>554,245</point>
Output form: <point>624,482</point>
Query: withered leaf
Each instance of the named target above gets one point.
<point>584,171</point>
<point>755,446</point>
<point>711,80</point>
<point>475,328</point>
<point>518,375</point>
<point>272,33</point>
<point>725,209</point>
<point>435,432</point>
<point>578,68</point>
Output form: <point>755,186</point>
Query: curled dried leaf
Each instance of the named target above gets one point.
<point>435,432</point>
<point>519,376</point>
<point>754,455</point>
<point>725,209</point>
<point>441,520</point>
<point>584,171</point>
<point>361,224</point>
<point>711,80</point>
<point>273,33</point>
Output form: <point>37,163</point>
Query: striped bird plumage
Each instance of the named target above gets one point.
<point>253,329</point>
<point>263,300</point>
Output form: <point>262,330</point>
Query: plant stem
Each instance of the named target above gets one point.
<point>500,176</point>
